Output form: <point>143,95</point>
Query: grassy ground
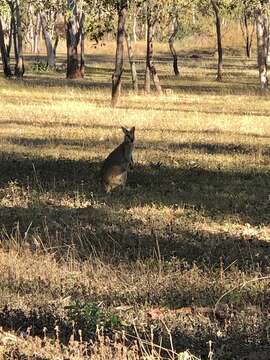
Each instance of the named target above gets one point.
<point>192,225</point>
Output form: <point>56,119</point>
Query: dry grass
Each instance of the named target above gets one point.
<point>192,224</point>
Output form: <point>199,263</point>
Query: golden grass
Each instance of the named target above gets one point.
<point>192,224</point>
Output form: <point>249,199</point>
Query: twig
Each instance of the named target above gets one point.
<point>240,286</point>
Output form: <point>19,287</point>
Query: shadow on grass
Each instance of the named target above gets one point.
<point>187,84</point>
<point>241,344</point>
<point>105,223</point>
<point>49,81</point>
<point>212,148</point>
<point>54,123</point>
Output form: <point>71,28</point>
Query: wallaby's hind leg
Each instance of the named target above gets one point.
<point>124,180</point>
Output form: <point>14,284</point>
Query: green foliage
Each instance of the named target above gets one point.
<point>88,316</point>
<point>39,66</point>
<point>95,28</point>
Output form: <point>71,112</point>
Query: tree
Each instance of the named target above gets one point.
<point>74,35</point>
<point>4,54</point>
<point>130,34</point>
<point>51,62</point>
<point>262,24</point>
<point>216,8</point>
<point>153,11</point>
<point>171,45</point>
<point>122,8</point>
<point>17,34</point>
<point>247,23</point>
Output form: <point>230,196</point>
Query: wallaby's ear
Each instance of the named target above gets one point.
<point>124,129</point>
<point>132,129</point>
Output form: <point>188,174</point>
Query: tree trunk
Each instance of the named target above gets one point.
<point>9,39</point>
<point>15,41</point>
<point>48,41</point>
<point>119,56</point>
<point>172,49</point>
<point>247,33</point>
<point>19,66</point>
<point>132,62</point>
<point>262,47</point>
<point>4,54</point>
<point>219,40</point>
<point>56,42</point>
<point>82,66</point>
<point>248,44</point>
<point>73,34</point>
<point>150,68</point>
<point>36,37</point>
<point>147,80</point>
<point>134,27</point>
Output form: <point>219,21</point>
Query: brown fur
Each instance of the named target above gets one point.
<point>116,166</point>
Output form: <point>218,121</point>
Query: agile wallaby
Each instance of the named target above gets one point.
<point>115,167</point>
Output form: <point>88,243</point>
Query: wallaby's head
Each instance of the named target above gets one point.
<point>129,135</point>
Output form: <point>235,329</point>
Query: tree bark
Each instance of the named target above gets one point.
<point>36,37</point>
<point>248,39</point>
<point>14,36</point>
<point>147,80</point>
<point>134,27</point>
<point>150,67</point>
<point>9,39</point>
<point>4,54</point>
<point>48,41</point>
<point>132,62</point>
<point>82,65</point>
<point>19,66</point>
<point>219,40</point>
<point>119,56</point>
<point>172,49</point>
<point>56,42</point>
<point>262,46</point>
<point>73,34</point>
<point>247,33</point>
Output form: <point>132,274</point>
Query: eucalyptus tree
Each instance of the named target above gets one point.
<point>216,7</point>
<point>153,12</point>
<point>221,9</point>
<point>175,30</point>
<point>121,7</point>
<point>131,38</point>
<point>178,14</point>
<point>74,19</point>
<point>4,49</point>
<point>15,36</point>
<point>35,28</point>
<point>170,19</point>
<point>262,24</point>
<point>245,12</point>
<point>47,13</point>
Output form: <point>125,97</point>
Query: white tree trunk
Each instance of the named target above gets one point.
<point>262,47</point>
<point>48,41</point>
<point>36,35</point>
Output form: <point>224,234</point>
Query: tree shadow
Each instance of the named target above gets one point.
<point>241,344</point>
<point>217,192</point>
<point>49,81</point>
<point>105,224</point>
<point>221,148</point>
<point>202,147</point>
<point>103,73</point>
<point>70,124</point>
